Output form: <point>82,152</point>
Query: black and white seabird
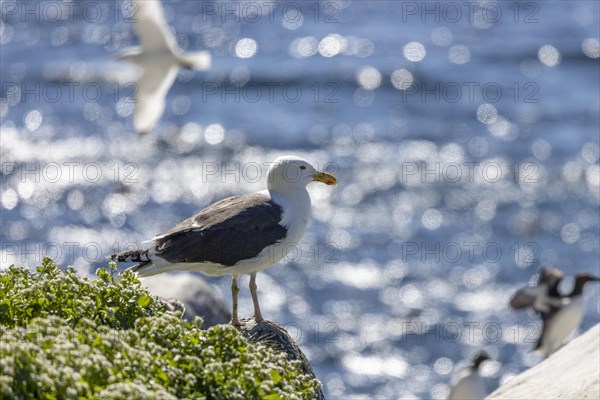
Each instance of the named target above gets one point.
<point>541,298</point>
<point>469,385</point>
<point>240,234</point>
<point>560,321</point>
<point>159,58</point>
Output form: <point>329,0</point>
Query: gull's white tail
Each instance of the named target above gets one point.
<point>147,265</point>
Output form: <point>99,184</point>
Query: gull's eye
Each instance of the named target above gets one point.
<point>302,167</point>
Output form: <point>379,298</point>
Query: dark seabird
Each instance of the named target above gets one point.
<point>561,320</point>
<point>470,385</point>
<point>541,298</point>
<point>240,234</point>
<point>159,57</point>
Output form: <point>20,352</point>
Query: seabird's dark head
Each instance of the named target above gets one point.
<point>580,280</point>
<point>479,358</point>
<point>551,277</point>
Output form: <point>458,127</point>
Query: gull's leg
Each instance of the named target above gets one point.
<point>234,297</point>
<point>257,315</point>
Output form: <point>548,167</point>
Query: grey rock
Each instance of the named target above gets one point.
<point>198,297</point>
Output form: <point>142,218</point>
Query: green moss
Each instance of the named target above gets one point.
<point>68,337</point>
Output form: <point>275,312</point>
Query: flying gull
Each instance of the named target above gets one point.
<point>240,234</point>
<point>469,384</point>
<point>560,321</point>
<point>159,58</point>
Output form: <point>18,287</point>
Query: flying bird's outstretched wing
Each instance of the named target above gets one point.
<point>151,27</point>
<point>535,298</point>
<point>526,297</point>
<point>152,88</point>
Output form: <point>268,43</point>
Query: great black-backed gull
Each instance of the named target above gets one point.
<point>240,234</point>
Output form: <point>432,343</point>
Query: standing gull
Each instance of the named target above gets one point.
<point>160,58</point>
<point>240,234</point>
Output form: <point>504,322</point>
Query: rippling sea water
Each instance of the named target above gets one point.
<point>465,140</point>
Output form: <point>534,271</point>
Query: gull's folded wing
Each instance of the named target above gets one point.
<point>233,229</point>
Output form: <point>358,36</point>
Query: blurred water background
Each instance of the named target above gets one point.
<point>465,140</point>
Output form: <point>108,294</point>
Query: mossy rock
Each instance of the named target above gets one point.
<point>64,336</point>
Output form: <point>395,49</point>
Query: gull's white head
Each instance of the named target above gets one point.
<point>289,172</point>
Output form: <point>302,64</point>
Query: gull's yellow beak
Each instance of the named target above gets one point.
<point>325,178</point>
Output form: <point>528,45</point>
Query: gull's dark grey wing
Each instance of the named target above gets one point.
<point>233,229</point>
